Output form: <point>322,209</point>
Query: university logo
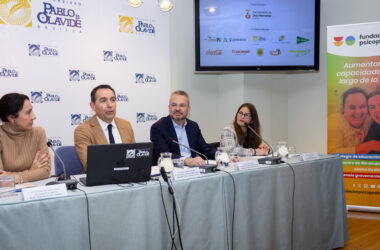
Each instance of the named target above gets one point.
<point>76,76</point>
<point>145,78</point>
<point>44,97</point>
<point>350,40</point>
<point>35,50</point>
<point>7,72</point>
<point>77,119</point>
<point>114,56</point>
<point>16,12</point>
<point>36,97</point>
<point>55,142</point>
<point>126,24</point>
<point>142,153</point>
<point>121,98</point>
<point>131,154</point>
<point>56,16</point>
<point>300,52</point>
<point>302,39</point>
<point>275,52</point>
<point>140,117</point>
<point>151,117</point>
<point>145,27</point>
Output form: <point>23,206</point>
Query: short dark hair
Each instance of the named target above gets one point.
<point>11,104</point>
<point>181,92</point>
<point>351,91</point>
<point>102,86</point>
<point>377,92</point>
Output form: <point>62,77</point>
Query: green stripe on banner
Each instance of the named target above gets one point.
<point>361,163</point>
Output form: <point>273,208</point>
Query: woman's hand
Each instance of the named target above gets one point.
<point>367,147</point>
<point>263,149</point>
<point>40,160</point>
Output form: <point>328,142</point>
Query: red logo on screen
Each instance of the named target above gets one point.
<point>217,52</point>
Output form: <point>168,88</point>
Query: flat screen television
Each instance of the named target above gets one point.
<point>256,35</point>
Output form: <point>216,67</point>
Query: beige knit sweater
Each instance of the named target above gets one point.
<point>18,150</point>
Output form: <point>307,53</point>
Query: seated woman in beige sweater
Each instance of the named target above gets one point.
<point>23,150</point>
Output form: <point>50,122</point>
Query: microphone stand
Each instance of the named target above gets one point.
<point>65,178</point>
<point>270,160</point>
<point>208,167</point>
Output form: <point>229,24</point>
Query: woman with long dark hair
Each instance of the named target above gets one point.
<point>23,149</point>
<point>237,138</point>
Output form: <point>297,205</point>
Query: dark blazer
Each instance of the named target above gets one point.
<point>164,129</point>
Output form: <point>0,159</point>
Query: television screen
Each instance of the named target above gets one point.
<point>253,35</point>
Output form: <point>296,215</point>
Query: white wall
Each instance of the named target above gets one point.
<point>292,107</point>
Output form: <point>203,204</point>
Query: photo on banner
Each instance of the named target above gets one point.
<point>353,72</point>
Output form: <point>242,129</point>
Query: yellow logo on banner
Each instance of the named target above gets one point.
<point>126,24</point>
<point>16,12</point>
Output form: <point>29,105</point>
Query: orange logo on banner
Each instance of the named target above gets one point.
<point>16,12</point>
<point>126,24</point>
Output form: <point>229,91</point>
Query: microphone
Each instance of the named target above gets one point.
<point>208,167</point>
<point>65,179</point>
<point>166,179</point>
<point>271,160</point>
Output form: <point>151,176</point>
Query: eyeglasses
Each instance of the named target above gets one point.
<point>245,115</point>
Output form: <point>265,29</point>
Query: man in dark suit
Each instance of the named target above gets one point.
<point>177,127</point>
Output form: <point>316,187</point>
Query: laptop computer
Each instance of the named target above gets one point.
<point>118,163</point>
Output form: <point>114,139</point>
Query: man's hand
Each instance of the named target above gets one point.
<point>197,161</point>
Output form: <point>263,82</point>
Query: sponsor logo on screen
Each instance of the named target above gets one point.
<point>217,52</point>
<point>62,16</point>
<point>247,15</point>
<point>55,141</point>
<point>257,14</point>
<point>142,117</point>
<point>120,97</point>
<point>282,40</point>
<point>136,25</point>
<point>114,56</point>
<point>301,39</point>
<point>16,12</point>
<point>77,119</point>
<point>260,52</point>
<point>258,38</point>
<point>145,78</point>
<point>44,97</point>
<point>213,39</point>
<point>240,52</point>
<point>275,52</point>
<point>76,75</point>
<point>42,50</point>
<point>7,72</point>
<point>300,52</point>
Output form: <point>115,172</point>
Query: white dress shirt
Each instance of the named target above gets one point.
<point>115,131</point>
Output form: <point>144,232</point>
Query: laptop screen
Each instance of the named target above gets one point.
<point>118,163</point>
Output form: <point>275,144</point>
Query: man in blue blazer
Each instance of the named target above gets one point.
<point>177,127</point>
